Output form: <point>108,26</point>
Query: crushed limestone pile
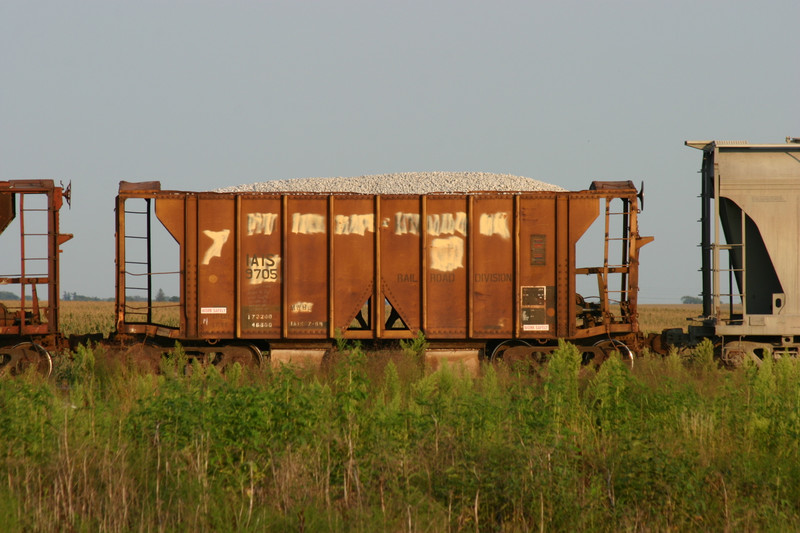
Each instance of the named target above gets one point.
<point>402,183</point>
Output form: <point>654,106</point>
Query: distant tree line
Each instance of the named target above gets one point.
<point>161,297</point>
<point>691,300</point>
<point>5,295</point>
<point>75,297</point>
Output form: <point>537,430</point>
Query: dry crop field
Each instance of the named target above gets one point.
<point>654,318</point>
<point>673,444</point>
<point>79,317</point>
<point>98,317</point>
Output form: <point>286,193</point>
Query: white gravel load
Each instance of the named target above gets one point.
<point>402,183</point>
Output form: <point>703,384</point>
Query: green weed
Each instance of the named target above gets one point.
<point>672,444</point>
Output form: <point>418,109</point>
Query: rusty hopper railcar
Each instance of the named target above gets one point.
<point>750,249</point>
<point>291,272</point>
<point>29,325</point>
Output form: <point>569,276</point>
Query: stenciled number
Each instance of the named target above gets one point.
<point>261,273</point>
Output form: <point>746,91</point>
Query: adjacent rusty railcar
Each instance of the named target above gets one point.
<point>269,272</point>
<point>29,323</point>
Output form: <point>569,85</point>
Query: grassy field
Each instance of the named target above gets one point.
<point>368,445</point>
<point>386,444</point>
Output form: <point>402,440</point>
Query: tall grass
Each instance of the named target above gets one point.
<point>675,443</point>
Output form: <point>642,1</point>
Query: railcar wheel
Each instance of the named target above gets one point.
<point>17,359</point>
<point>735,354</point>
<point>499,350</point>
<point>248,356</point>
<point>609,346</point>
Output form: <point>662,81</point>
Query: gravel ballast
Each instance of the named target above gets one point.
<point>402,183</point>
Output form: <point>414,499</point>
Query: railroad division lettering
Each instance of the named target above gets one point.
<point>492,277</point>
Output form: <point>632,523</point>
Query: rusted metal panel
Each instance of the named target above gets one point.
<point>583,211</point>
<point>352,263</point>
<point>446,255</point>
<point>636,243</point>
<point>139,186</point>
<point>216,259</point>
<point>170,211</point>
<point>612,185</point>
<point>303,266</point>
<point>189,266</point>
<point>564,270</point>
<point>7,209</point>
<point>306,269</point>
<point>54,241</point>
<point>492,266</point>
<point>537,266</point>
<point>119,255</point>
<point>261,266</point>
<point>400,261</point>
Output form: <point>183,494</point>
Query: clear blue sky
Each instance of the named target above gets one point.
<point>207,94</point>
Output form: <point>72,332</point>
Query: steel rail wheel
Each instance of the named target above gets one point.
<point>499,350</point>
<point>17,359</point>
<point>609,346</point>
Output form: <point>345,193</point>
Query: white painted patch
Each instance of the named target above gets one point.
<point>308,223</point>
<point>405,223</point>
<point>447,253</point>
<point>354,224</point>
<point>218,238</point>
<point>261,223</point>
<point>213,310</point>
<point>301,307</point>
<point>494,224</point>
<point>447,224</point>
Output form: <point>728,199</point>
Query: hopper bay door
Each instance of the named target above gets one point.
<point>352,260</point>
<point>399,258</point>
